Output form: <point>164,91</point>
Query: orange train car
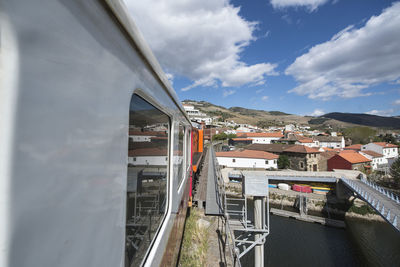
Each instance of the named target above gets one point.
<point>197,154</point>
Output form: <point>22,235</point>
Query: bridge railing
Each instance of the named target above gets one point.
<point>374,202</point>
<point>382,190</point>
<point>234,253</point>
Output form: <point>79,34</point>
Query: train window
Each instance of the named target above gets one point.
<point>146,202</point>
<point>179,153</point>
<point>188,147</point>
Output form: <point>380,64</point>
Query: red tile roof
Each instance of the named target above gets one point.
<point>372,153</point>
<point>306,140</point>
<point>301,149</point>
<point>353,157</point>
<point>355,147</point>
<point>254,154</point>
<point>328,154</point>
<point>273,134</point>
<point>242,139</point>
<point>154,151</point>
<point>384,145</point>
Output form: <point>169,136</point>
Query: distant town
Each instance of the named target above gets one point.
<point>296,146</point>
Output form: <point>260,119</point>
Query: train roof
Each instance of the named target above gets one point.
<point>120,11</point>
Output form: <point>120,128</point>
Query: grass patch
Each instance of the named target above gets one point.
<point>195,242</point>
<point>363,210</point>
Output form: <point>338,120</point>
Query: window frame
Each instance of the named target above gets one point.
<point>140,93</point>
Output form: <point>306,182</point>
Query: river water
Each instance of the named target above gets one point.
<point>296,243</point>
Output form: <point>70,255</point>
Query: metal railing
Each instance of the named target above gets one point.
<point>236,220</point>
<point>234,253</point>
<point>372,200</point>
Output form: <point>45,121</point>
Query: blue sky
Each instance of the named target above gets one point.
<point>305,57</point>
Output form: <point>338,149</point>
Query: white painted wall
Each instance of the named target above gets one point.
<point>375,161</point>
<point>141,138</point>
<point>387,152</point>
<point>247,163</point>
<point>148,160</point>
<point>332,144</point>
<point>263,140</point>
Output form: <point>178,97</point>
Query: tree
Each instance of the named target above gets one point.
<point>220,136</point>
<point>283,162</point>
<point>360,134</point>
<point>395,171</point>
<point>230,136</point>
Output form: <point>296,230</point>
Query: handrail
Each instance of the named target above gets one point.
<point>234,253</point>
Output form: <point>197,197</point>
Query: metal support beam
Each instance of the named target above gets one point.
<point>258,223</point>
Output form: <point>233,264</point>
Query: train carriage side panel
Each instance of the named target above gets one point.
<point>75,69</point>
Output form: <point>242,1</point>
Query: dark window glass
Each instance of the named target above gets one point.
<point>147,177</point>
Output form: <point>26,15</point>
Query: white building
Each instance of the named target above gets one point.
<point>248,159</point>
<point>378,160</point>
<point>138,136</point>
<point>389,151</point>
<point>261,138</point>
<point>290,128</point>
<point>148,157</point>
<point>307,142</point>
<point>330,141</point>
<point>197,115</point>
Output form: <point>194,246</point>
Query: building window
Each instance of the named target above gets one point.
<point>146,202</point>
<point>134,159</point>
<point>266,162</point>
<point>275,161</point>
<point>233,160</point>
<point>301,165</point>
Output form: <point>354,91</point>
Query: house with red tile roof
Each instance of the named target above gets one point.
<point>149,156</point>
<point>378,160</point>
<point>247,159</point>
<point>349,160</point>
<point>330,141</point>
<point>261,138</point>
<point>356,147</point>
<point>389,151</point>
<point>307,142</point>
<point>301,158</point>
<point>240,141</point>
<point>323,159</point>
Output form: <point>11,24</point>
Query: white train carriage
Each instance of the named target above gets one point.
<point>77,188</point>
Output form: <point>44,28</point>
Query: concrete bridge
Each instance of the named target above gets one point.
<point>384,202</point>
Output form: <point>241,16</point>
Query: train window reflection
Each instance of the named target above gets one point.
<point>146,178</point>
<point>178,154</point>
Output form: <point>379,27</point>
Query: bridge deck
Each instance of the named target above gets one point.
<point>213,205</point>
<point>382,204</point>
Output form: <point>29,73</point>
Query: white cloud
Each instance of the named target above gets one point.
<point>201,40</point>
<point>170,77</point>
<point>317,112</point>
<point>259,91</point>
<point>396,102</point>
<point>388,112</point>
<point>228,92</point>
<point>353,60</point>
<point>309,4</point>
<point>264,98</point>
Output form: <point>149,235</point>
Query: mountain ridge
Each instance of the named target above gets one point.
<point>277,118</point>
